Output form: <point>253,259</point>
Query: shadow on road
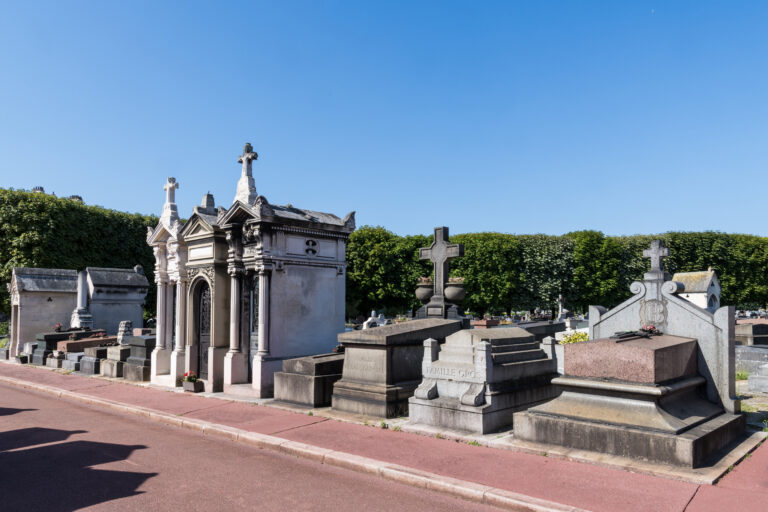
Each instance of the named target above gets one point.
<point>5,411</point>
<point>23,437</point>
<point>57,478</point>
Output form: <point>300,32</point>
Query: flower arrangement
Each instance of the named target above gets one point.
<point>190,377</point>
<point>650,330</point>
<point>576,337</point>
<point>456,280</point>
<point>425,280</point>
<point>57,327</point>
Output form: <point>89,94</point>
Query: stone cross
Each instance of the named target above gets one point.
<point>247,159</point>
<point>656,253</point>
<point>441,253</point>
<point>170,190</point>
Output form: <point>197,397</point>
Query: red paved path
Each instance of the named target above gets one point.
<point>571,483</point>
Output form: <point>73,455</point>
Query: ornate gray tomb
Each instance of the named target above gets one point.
<point>479,378</point>
<point>666,398</point>
<point>382,366</point>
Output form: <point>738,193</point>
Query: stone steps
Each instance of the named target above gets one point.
<point>518,356</point>
<point>515,347</point>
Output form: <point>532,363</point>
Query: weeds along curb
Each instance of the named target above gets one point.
<point>394,472</point>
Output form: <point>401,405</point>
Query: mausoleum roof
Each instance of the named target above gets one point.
<point>45,279</point>
<point>122,277</point>
<point>695,282</point>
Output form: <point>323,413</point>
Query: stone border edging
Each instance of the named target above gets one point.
<point>470,491</point>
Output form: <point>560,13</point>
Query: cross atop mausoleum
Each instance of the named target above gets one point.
<point>247,158</point>
<point>441,253</point>
<point>246,187</point>
<point>170,211</point>
<point>170,190</point>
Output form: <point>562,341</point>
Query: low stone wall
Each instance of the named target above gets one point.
<point>748,358</point>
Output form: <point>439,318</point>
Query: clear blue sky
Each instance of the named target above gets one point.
<point>519,117</point>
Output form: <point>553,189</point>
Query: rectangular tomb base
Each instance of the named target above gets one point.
<point>308,380</point>
<point>135,372</point>
<point>40,357</point>
<point>111,368</point>
<point>450,414</point>
<point>690,449</point>
<point>372,400</point>
<point>55,360</point>
<point>90,365</point>
<point>3,353</point>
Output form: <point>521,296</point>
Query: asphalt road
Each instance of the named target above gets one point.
<point>59,456</point>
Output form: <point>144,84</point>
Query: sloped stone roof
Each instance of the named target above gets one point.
<point>45,279</point>
<point>695,282</point>
<point>120,277</point>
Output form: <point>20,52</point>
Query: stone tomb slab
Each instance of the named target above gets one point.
<point>90,363</point>
<point>113,365</point>
<point>308,380</point>
<point>81,344</point>
<point>72,361</point>
<point>382,366</point>
<point>650,361</point>
<point>138,364</point>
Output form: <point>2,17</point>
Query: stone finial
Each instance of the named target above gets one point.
<point>246,187</point>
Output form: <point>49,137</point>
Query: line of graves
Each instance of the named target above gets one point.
<point>251,299</point>
<point>655,382</point>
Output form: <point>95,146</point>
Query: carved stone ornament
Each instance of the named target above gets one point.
<point>208,272</point>
<point>252,238</point>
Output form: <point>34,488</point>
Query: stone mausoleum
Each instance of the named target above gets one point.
<point>95,298</point>
<point>244,288</point>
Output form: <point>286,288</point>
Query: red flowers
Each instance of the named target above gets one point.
<point>190,377</point>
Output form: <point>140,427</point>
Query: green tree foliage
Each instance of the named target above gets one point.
<point>521,272</point>
<point>40,230</point>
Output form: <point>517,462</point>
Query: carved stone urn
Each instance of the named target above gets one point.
<point>424,290</point>
<point>454,290</point>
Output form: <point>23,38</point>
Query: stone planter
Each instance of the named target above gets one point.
<point>193,387</point>
<point>455,292</point>
<point>424,292</point>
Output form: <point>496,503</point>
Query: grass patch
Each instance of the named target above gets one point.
<point>439,436</point>
<point>473,443</point>
<point>748,408</point>
<point>741,375</point>
<point>310,413</point>
<point>384,425</point>
<point>396,428</point>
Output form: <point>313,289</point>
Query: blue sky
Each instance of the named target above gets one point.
<point>518,117</point>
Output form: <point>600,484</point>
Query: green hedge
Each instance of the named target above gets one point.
<point>502,272</point>
<point>40,230</point>
<point>521,272</point>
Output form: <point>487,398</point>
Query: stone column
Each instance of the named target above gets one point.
<point>80,316</point>
<point>162,311</point>
<point>234,313</point>
<point>178,354</point>
<point>235,364</point>
<point>263,312</point>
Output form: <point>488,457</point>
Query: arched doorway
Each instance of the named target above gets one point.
<point>203,327</point>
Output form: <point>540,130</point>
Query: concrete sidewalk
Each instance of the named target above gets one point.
<point>508,479</point>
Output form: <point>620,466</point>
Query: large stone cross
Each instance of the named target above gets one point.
<point>441,253</point>
<point>170,190</point>
<point>247,158</point>
<point>656,253</point>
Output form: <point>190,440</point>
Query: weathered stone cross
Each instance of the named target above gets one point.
<point>247,159</point>
<point>441,252</point>
<point>170,190</point>
<point>656,253</point>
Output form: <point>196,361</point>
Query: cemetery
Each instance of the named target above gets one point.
<point>250,304</point>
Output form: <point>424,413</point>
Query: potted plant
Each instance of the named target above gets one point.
<point>191,384</point>
<point>454,290</point>
<point>425,289</point>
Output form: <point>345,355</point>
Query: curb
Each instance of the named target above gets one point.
<point>470,491</point>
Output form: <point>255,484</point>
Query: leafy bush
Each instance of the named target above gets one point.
<point>576,337</point>
<point>742,375</point>
<point>3,328</point>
